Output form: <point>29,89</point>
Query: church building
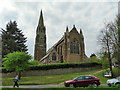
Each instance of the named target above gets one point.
<point>69,49</point>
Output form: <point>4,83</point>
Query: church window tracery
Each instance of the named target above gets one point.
<point>74,47</point>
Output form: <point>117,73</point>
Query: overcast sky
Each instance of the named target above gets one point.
<point>89,16</point>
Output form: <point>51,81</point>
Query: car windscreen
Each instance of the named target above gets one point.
<point>118,78</point>
<point>75,78</point>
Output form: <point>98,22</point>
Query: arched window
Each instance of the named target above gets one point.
<point>54,56</point>
<point>74,47</point>
<point>71,47</point>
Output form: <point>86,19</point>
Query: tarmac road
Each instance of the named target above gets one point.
<point>41,86</point>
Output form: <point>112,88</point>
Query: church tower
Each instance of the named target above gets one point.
<point>40,40</point>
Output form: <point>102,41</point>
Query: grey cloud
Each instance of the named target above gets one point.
<point>87,16</point>
<point>8,15</point>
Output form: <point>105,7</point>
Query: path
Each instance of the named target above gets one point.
<point>34,86</point>
<point>98,72</point>
<point>40,86</point>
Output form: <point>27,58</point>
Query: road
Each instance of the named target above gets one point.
<point>41,86</point>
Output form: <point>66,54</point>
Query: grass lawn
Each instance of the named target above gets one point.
<point>66,88</point>
<point>103,79</point>
<point>55,79</point>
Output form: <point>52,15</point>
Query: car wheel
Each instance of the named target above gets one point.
<point>94,85</point>
<point>117,84</point>
<point>71,85</point>
<point>109,85</point>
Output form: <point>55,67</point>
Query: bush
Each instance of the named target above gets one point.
<point>64,65</point>
<point>34,62</point>
<point>59,66</point>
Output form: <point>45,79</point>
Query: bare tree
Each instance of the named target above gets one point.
<point>118,29</point>
<point>0,50</point>
<point>118,25</point>
<point>109,39</point>
<point>114,39</point>
<point>106,44</point>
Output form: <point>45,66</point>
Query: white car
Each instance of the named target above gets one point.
<point>114,81</point>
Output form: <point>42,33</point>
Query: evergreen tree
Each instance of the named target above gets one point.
<point>13,39</point>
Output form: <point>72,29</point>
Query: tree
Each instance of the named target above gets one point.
<point>0,50</point>
<point>13,39</point>
<point>16,61</point>
<point>109,39</point>
<point>103,56</point>
<point>106,42</point>
<point>118,25</point>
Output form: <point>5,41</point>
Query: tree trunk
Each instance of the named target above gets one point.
<point>110,63</point>
<point>119,51</point>
<point>19,75</point>
<point>109,58</point>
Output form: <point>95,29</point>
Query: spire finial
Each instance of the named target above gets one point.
<point>80,31</point>
<point>67,29</point>
<point>41,22</point>
<point>74,25</point>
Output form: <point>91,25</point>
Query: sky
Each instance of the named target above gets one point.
<point>88,15</point>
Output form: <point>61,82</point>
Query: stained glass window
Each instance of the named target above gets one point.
<point>74,47</point>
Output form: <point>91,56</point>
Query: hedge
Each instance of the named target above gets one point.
<point>59,66</point>
<point>65,65</point>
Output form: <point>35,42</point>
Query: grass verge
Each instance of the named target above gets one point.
<point>55,79</point>
<point>43,80</point>
<point>65,88</point>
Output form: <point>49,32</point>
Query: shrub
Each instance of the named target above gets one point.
<point>61,65</point>
<point>64,65</point>
<point>34,62</point>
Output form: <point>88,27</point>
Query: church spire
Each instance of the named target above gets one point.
<point>41,22</point>
<point>40,41</point>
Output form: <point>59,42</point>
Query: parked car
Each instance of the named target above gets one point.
<point>114,81</point>
<point>83,81</point>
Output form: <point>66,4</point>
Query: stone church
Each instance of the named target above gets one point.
<point>69,49</point>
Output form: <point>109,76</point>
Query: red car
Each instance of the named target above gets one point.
<point>83,81</point>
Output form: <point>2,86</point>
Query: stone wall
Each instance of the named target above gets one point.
<point>49,72</point>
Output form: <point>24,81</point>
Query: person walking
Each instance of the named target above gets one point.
<point>15,81</point>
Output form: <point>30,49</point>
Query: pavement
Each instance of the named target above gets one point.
<point>40,86</point>
<point>34,86</point>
